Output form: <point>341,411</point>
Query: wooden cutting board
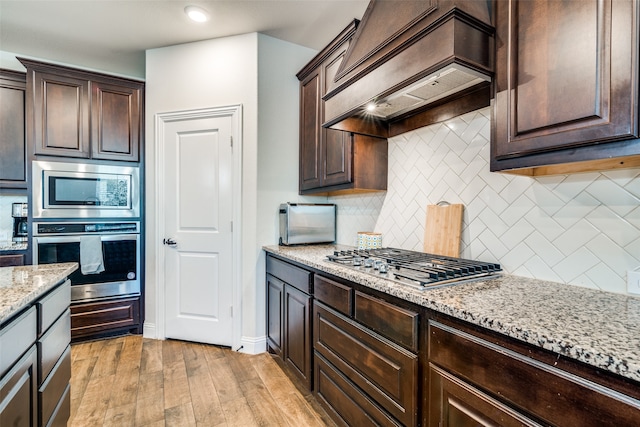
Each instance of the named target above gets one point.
<point>443,229</point>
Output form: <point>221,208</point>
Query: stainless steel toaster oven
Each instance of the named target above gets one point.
<point>307,223</point>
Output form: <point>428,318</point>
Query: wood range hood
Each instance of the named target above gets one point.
<point>415,63</point>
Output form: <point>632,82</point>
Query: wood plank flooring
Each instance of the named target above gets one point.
<point>132,381</point>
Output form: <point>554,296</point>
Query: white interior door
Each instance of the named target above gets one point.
<point>197,202</point>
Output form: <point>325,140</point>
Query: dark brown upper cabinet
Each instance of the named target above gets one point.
<point>566,86</point>
<point>13,147</point>
<point>333,161</point>
<point>76,113</point>
<point>115,121</point>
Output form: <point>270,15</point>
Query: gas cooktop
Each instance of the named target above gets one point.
<point>417,269</point>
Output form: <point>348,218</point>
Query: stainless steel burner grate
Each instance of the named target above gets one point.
<point>417,269</point>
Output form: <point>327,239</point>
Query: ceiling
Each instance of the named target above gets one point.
<point>112,35</point>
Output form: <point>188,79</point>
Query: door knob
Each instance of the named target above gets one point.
<point>169,242</point>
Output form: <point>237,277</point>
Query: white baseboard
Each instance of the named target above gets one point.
<point>149,330</point>
<point>253,345</point>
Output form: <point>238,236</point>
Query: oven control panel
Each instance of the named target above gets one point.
<point>50,228</point>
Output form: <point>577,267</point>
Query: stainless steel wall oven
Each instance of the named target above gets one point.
<point>119,244</point>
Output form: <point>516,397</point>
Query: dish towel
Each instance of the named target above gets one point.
<point>91,261</point>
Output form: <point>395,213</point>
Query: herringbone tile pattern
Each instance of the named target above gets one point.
<point>582,229</point>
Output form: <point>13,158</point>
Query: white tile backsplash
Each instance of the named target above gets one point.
<point>580,229</point>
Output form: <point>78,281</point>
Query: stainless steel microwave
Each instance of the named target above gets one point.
<point>81,190</point>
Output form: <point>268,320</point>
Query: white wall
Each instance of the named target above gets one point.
<point>8,60</point>
<point>258,72</point>
<point>278,134</point>
<point>581,229</point>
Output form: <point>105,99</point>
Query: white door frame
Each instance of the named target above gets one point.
<point>235,112</point>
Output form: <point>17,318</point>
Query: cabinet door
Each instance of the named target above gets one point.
<point>453,403</point>
<point>310,144</point>
<point>61,115</point>
<point>337,154</point>
<point>275,289</point>
<point>337,165</point>
<point>566,77</point>
<point>115,122</point>
<point>12,130</point>
<point>297,332</point>
<point>18,401</point>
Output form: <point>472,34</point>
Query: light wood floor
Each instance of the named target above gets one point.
<point>131,381</point>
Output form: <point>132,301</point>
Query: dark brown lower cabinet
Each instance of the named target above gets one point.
<point>275,297</point>
<point>18,399</point>
<point>344,402</point>
<point>377,360</point>
<point>105,317</point>
<point>378,377</point>
<point>11,260</point>
<point>477,379</point>
<point>289,303</point>
<point>297,351</point>
<point>454,403</point>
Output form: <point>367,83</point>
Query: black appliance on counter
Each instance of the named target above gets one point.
<point>417,269</point>
<point>19,212</point>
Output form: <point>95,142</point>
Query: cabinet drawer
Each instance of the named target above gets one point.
<point>553,395</point>
<point>62,412</point>
<point>334,294</point>
<point>290,274</point>
<point>52,391</point>
<point>100,317</point>
<point>11,260</point>
<point>52,344</point>
<point>383,370</point>
<point>393,322</point>
<point>16,338</point>
<point>343,401</point>
<point>53,305</point>
<point>454,403</point>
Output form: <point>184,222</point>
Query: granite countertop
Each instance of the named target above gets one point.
<point>11,246</point>
<point>595,327</point>
<point>20,286</point>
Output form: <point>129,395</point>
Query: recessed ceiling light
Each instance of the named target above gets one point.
<point>196,13</point>
<point>371,106</point>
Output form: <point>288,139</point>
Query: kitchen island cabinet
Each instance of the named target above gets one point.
<point>566,86</point>
<point>13,143</point>
<point>331,160</point>
<point>76,113</point>
<point>504,351</point>
<point>35,361</point>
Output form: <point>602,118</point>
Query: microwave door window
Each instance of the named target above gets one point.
<point>73,191</point>
<point>104,192</point>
